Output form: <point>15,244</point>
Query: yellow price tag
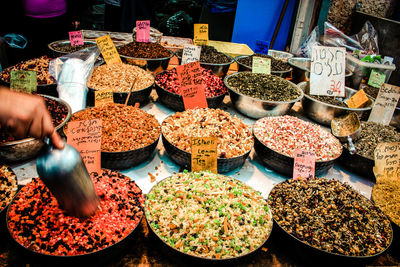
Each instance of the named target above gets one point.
<point>200,34</point>
<point>102,97</point>
<point>204,154</point>
<point>108,50</point>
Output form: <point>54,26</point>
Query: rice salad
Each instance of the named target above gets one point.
<point>208,215</point>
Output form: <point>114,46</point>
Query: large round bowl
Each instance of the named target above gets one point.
<point>324,113</point>
<point>358,164</point>
<point>175,101</point>
<point>28,148</point>
<point>57,53</point>
<point>257,108</point>
<point>10,185</point>
<point>153,65</point>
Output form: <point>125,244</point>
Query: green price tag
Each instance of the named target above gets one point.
<point>23,81</point>
<point>376,78</point>
<point>261,65</point>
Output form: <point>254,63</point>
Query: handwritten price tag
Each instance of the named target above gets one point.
<point>304,164</point>
<point>387,161</point>
<point>204,154</point>
<point>76,38</point>
<point>23,81</point>
<point>192,86</point>
<point>85,136</point>
<point>102,97</point>
<point>200,34</point>
<point>385,104</point>
<point>191,53</point>
<point>261,65</point>
<point>143,31</point>
<point>327,71</point>
<point>261,47</point>
<point>108,50</point>
<point>358,100</point>
<point>376,78</point>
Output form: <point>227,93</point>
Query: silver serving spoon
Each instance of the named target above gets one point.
<point>65,174</point>
<point>347,129</point>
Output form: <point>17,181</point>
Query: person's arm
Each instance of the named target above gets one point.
<point>25,115</point>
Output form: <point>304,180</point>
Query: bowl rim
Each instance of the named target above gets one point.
<point>205,63</point>
<point>61,125</point>
<point>265,101</point>
<point>272,71</point>
<point>50,45</point>
<point>302,84</point>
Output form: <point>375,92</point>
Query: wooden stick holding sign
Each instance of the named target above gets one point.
<point>130,91</point>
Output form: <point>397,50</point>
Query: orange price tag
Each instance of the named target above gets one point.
<point>304,164</point>
<point>102,97</point>
<point>108,50</point>
<point>358,100</point>
<point>192,86</point>
<point>204,154</point>
<point>85,136</point>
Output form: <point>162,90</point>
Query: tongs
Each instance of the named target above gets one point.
<point>347,129</point>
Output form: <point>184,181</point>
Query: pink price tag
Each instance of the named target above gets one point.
<point>76,38</point>
<point>304,164</point>
<point>143,31</point>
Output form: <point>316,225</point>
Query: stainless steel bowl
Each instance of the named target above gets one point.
<point>323,113</point>
<point>257,108</point>
<point>153,65</point>
<point>28,148</point>
<point>58,53</point>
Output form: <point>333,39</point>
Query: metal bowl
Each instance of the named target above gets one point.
<point>28,148</point>
<point>58,53</point>
<point>153,65</point>
<point>324,113</point>
<point>257,108</point>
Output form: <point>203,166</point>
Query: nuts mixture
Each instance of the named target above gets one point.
<point>331,216</point>
<point>124,127</point>
<point>119,78</point>
<point>8,186</point>
<point>144,50</point>
<point>234,137</point>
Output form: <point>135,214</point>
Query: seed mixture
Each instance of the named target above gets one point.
<point>234,137</point>
<point>263,86</point>
<point>40,65</point>
<point>209,54</point>
<point>67,48</point>
<point>119,78</point>
<point>276,63</point>
<point>143,50</point>
<point>285,134</point>
<point>214,85</point>
<point>329,100</point>
<point>124,128</point>
<point>331,216</point>
<point>386,196</point>
<point>38,223</point>
<point>371,135</point>
<point>8,186</point>
<point>208,215</point>
<point>58,113</point>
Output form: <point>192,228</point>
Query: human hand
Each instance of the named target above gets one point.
<point>26,115</point>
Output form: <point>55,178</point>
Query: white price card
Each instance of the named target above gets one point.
<point>385,103</point>
<point>328,67</point>
<point>261,65</point>
<point>191,53</point>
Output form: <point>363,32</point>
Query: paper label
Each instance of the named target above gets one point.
<point>376,79</point>
<point>76,38</point>
<point>387,161</point>
<point>385,104</point>
<point>192,86</point>
<point>327,71</point>
<point>358,100</point>
<point>85,136</point>
<point>200,34</point>
<point>304,164</point>
<point>102,97</point>
<point>191,53</point>
<point>204,154</point>
<point>261,65</point>
<point>108,50</point>
<point>262,47</point>
<point>143,31</point>
<point>23,81</point>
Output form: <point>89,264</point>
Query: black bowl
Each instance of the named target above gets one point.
<point>153,65</point>
<point>358,164</point>
<point>42,89</point>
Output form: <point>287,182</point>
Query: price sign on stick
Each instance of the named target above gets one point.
<point>200,34</point>
<point>85,136</point>
<point>76,38</point>
<point>143,31</point>
<point>102,97</point>
<point>327,71</point>
<point>304,164</point>
<point>376,78</point>
<point>204,154</point>
<point>261,65</point>
<point>387,161</point>
<point>358,100</point>
<point>385,103</point>
<point>108,50</point>
<point>23,81</point>
<point>192,86</point>
<point>191,53</point>
<point>261,47</point>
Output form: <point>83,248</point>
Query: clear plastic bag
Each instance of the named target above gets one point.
<point>305,49</point>
<point>15,40</point>
<point>334,37</point>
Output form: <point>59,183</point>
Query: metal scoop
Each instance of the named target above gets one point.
<point>347,129</point>
<point>65,174</point>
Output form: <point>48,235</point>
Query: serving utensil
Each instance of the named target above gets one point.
<point>346,129</point>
